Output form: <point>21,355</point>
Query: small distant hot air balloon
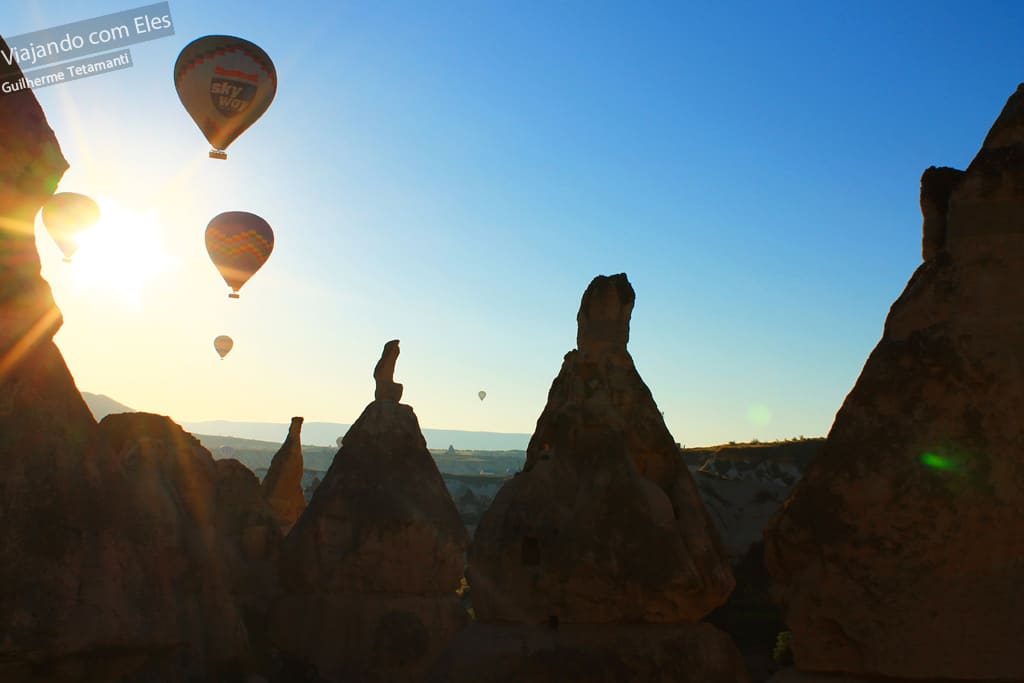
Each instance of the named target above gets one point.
<point>339,441</point>
<point>67,214</point>
<point>226,451</point>
<point>482,395</point>
<point>225,83</point>
<point>223,344</point>
<point>238,243</point>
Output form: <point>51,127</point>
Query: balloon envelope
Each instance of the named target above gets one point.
<point>238,243</point>
<point>482,395</point>
<point>225,83</point>
<point>67,214</point>
<point>223,344</point>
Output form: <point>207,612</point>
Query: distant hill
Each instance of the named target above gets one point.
<point>100,406</point>
<point>258,454</point>
<point>798,452</point>
<point>326,433</point>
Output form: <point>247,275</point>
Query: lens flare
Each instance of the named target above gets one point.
<point>943,463</point>
<point>759,414</point>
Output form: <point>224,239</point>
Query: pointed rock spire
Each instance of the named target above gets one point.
<point>377,555</point>
<point>282,487</point>
<point>603,480</point>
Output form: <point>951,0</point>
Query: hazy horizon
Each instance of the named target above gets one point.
<point>454,175</point>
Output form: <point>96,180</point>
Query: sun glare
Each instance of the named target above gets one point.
<point>121,254</point>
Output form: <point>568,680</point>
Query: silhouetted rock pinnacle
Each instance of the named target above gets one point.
<point>282,487</point>
<point>384,374</point>
<point>599,556</point>
<point>370,569</point>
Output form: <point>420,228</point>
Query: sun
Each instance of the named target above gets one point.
<point>121,254</point>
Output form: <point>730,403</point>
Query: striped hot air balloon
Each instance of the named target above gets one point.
<point>225,83</point>
<point>238,243</point>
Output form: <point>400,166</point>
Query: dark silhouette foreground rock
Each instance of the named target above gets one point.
<point>594,562</point>
<point>112,554</point>
<point>587,653</point>
<point>282,487</point>
<point>65,565</point>
<point>170,515</point>
<point>901,553</point>
<point>370,570</point>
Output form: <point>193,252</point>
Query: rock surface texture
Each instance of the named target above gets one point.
<point>901,553</point>
<point>282,487</point>
<point>169,507</point>
<point>371,568</point>
<point>595,562</point>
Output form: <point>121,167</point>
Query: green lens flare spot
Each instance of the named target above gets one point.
<point>759,415</point>
<point>940,462</point>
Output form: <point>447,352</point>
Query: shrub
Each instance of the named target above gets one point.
<point>783,653</point>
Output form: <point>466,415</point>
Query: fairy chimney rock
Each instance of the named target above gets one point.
<point>384,374</point>
<point>603,318</point>
<point>901,551</point>
<point>377,555</point>
<point>282,487</point>
<point>604,524</point>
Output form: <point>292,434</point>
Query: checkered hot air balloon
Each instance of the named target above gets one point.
<point>239,243</point>
<point>225,84</point>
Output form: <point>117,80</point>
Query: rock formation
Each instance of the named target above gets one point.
<point>63,565</point>
<point>587,653</point>
<point>370,570</point>
<point>282,487</point>
<point>901,552</point>
<point>250,542</point>
<point>311,489</point>
<point>384,375</point>
<point>170,517</point>
<point>937,184</point>
<point>744,485</point>
<point>600,550</point>
<point>110,555</point>
<point>605,523</point>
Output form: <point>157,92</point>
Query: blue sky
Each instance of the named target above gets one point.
<point>454,174</point>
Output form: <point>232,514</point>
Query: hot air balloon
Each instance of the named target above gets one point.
<point>225,83</point>
<point>239,243</point>
<point>223,344</point>
<point>67,214</point>
<point>482,395</point>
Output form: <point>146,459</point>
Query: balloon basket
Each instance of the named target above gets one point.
<point>218,154</point>
<point>66,259</point>
<point>233,295</point>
